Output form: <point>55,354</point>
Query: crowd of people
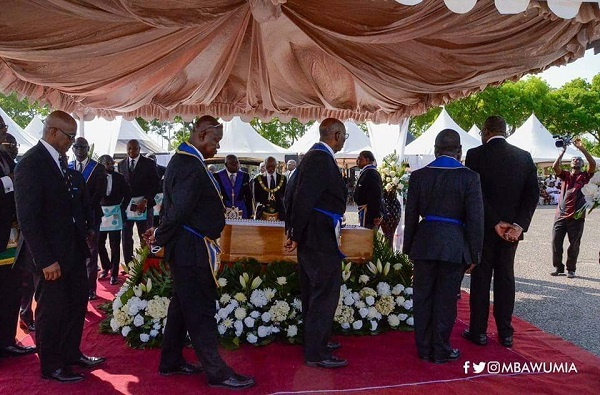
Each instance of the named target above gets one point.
<point>459,218</point>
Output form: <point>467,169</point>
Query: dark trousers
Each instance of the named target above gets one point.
<point>10,296</point>
<point>498,257</point>
<point>127,236</point>
<point>111,264</point>
<point>573,228</point>
<point>27,291</point>
<point>92,262</point>
<point>192,310</point>
<point>60,315</point>
<point>320,276</point>
<point>435,286</point>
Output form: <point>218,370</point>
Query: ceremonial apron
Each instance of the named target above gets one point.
<point>233,192</point>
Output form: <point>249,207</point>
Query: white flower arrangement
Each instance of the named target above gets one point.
<point>591,192</point>
<point>392,174</point>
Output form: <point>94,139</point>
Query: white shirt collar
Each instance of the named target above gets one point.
<point>229,174</point>
<point>84,162</point>
<point>328,148</point>
<point>135,159</point>
<point>496,137</point>
<point>53,152</point>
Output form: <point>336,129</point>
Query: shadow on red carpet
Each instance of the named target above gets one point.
<point>386,363</point>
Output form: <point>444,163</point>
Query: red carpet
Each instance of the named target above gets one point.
<point>384,364</point>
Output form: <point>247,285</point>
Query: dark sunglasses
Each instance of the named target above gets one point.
<point>4,126</point>
<point>78,146</point>
<point>11,145</point>
<point>71,137</point>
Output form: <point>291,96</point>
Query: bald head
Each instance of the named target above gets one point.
<point>333,132</point>
<point>447,142</point>
<point>493,126</point>
<point>59,131</point>
<point>271,164</point>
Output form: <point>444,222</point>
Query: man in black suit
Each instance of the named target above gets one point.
<point>142,177</point>
<point>313,226</point>
<point>191,220</point>
<point>269,190</point>
<point>443,233</point>
<point>510,196</point>
<point>368,192</point>
<point>10,279</point>
<point>94,175</point>
<point>52,205</point>
<point>235,184</point>
<point>116,196</point>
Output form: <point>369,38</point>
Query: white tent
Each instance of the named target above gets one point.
<point>386,138</point>
<point>357,141</point>
<point>35,126</point>
<point>533,137</point>
<point>475,132</point>
<point>24,139</point>
<point>421,151</point>
<point>240,139</point>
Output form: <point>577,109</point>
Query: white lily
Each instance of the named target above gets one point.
<point>386,269</point>
<point>379,266</point>
<point>372,268</point>
<point>256,282</point>
<point>149,285</point>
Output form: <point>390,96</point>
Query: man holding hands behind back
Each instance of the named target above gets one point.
<point>447,197</point>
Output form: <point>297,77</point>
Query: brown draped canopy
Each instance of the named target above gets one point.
<point>311,59</point>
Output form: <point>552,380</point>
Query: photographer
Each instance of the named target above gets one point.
<point>570,201</point>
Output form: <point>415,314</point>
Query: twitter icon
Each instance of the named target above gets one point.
<point>478,367</point>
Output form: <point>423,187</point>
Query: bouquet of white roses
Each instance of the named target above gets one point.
<point>591,192</point>
<point>392,172</point>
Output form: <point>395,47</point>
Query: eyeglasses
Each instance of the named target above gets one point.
<point>77,146</point>
<point>346,135</point>
<point>11,145</point>
<point>71,137</point>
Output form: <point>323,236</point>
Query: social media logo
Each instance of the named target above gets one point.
<point>466,366</point>
<point>493,367</point>
<point>478,367</point>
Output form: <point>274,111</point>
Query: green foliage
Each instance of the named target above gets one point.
<point>21,111</point>
<point>281,133</point>
<point>573,109</point>
<point>174,132</point>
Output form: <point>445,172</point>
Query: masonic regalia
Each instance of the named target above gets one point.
<point>7,257</point>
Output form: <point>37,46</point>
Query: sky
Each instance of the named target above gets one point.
<point>586,68</point>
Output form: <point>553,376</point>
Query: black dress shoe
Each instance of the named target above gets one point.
<point>453,356</point>
<point>480,340</point>
<point>186,368</point>
<point>63,375</point>
<point>235,382</point>
<point>557,272</point>
<point>331,363</point>
<point>16,351</point>
<point>332,346</point>
<point>103,274</point>
<point>92,295</point>
<point>27,327</point>
<point>506,341</point>
<point>113,281</point>
<point>426,358</point>
<point>89,362</point>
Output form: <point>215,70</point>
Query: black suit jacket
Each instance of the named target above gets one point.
<point>7,202</point>
<point>96,187</point>
<point>190,199</point>
<point>369,191</point>
<point>51,221</point>
<point>508,182</point>
<point>144,180</point>
<point>317,183</point>
<point>449,193</point>
<point>120,192</point>
<point>262,196</point>
<point>244,193</point>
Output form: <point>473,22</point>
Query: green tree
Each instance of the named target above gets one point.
<point>281,133</point>
<point>21,111</point>
<point>174,131</point>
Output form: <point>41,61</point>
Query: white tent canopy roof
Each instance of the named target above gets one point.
<point>357,141</point>
<point>386,138</point>
<point>475,132</point>
<point>24,139</point>
<point>240,139</point>
<point>35,126</point>
<point>533,137</point>
<point>421,151</point>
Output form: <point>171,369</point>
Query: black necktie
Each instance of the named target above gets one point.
<point>80,167</point>
<point>271,180</point>
<point>132,165</point>
<point>62,160</point>
<point>232,178</point>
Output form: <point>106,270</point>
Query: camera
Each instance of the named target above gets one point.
<point>562,141</point>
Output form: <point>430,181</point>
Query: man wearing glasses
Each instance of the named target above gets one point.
<point>51,203</point>
<point>94,175</point>
<point>10,279</point>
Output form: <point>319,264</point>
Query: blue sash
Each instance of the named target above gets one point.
<point>337,226</point>
<point>435,218</point>
<point>213,249</point>
<point>89,168</point>
<point>445,162</point>
<point>320,147</point>
<point>186,149</point>
<point>237,189</point>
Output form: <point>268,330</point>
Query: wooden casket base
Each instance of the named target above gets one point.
<point>263,241</point>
